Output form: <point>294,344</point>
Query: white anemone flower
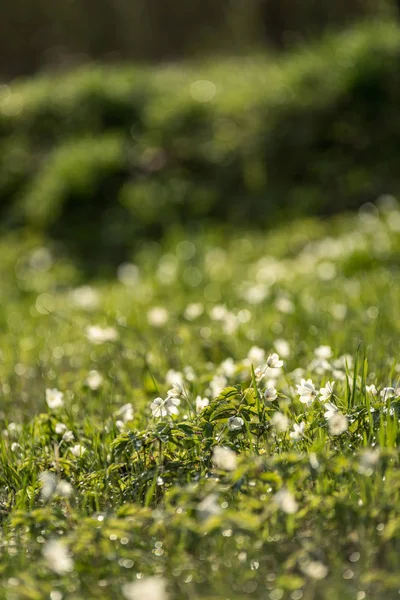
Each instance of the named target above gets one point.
<point>174,377</point>
<point>368,461</point>
<point>125,412</point>
<point>49,484</point>
<point>307,392</point>
<point>68,436</point>
<point>99,335</point>
<point>201,403</point>
<point>298,431</point>
<point>163,408</point>
<point>78,450</point>
<point>208,507</point>
<point>224,458</point>
<point>148,588</point>
<point>323,352</point>
<point>235,423</point>
<point>94,380</point>
<point>228,367</point>
<point>330,409</point>
<point>371,389</point>
<point>274,362</point>
<point>193,311</point>
<point>338,424</point>
<point>217,384</point>
<point>286,501</point>
<point>280,422</point>
<point>282,347</point>
<point>389,392</point>
<point>57,557</point>
<point>64,489</point>
<point>270,394</point>
<point>54,398</point>
<point>60,428</point>
<point>315,569</point>
<point>325,393</point>
<point>256,356</point>
<point>157,316</point>
<point>177,391</point>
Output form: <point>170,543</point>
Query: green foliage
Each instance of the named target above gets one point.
<point>135,151</point>
<point>312,516</point>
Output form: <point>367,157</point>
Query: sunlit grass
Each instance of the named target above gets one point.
<point>241,479</point>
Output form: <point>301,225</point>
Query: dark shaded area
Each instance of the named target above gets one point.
<point>103,159</point>
<point>45,34</point>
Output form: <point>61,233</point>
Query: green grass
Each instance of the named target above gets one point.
<point>308,518</point>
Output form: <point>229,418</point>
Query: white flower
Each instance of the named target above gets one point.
<point>68,436</point>
<point>344,362</point>
<point>298,431</point>
<point>371,389</point>
<point>280,422</point>
<point>230,323</point>
<point>324,352</point>
<point>307,391</point>
<point>193,311</point>
<point>125,412</point>
<point>368,461</point>
<point>54,398</point>
<point>338,423</point>
<point>162,408</point>
<point>224,458</point>
<point>319,366</point>
<point>128,274</point>
<point>57,557</point>
<point>330,410</point>
<point>148,588</point>
<point>78,450</point>
<point>315,569</point>
<point>201,403</point>
<point>64,489</point>
<point>85,297</point>
<point>282,348</point>
<point>217,384</point>
<point>99,335</point>
<point>389,392</point>
<point>189,373</point>
<point>49,483</point>
<point>272,366</point>
<point>14,429</point>
<point>60,428</point>
<point>228,367</point>
<point>177,391</point>
<point>157,316</point>
<point>174,377</point>
<point>218,312</point>
<point>286,501</point>
<point>235,423</point>
<point>94,380</point>
<point>256,356</point>
<point>270,394</point>
<point>274,362</point>
<point>326,392</point>
<point>208,507</point>
<point>284,305</point>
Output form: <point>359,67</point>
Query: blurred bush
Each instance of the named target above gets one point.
<point>104,157</point>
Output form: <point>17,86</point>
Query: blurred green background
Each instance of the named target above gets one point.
<point>122,120</point>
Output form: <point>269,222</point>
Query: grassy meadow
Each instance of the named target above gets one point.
<point>199,328</point>
<point>219,420</point>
